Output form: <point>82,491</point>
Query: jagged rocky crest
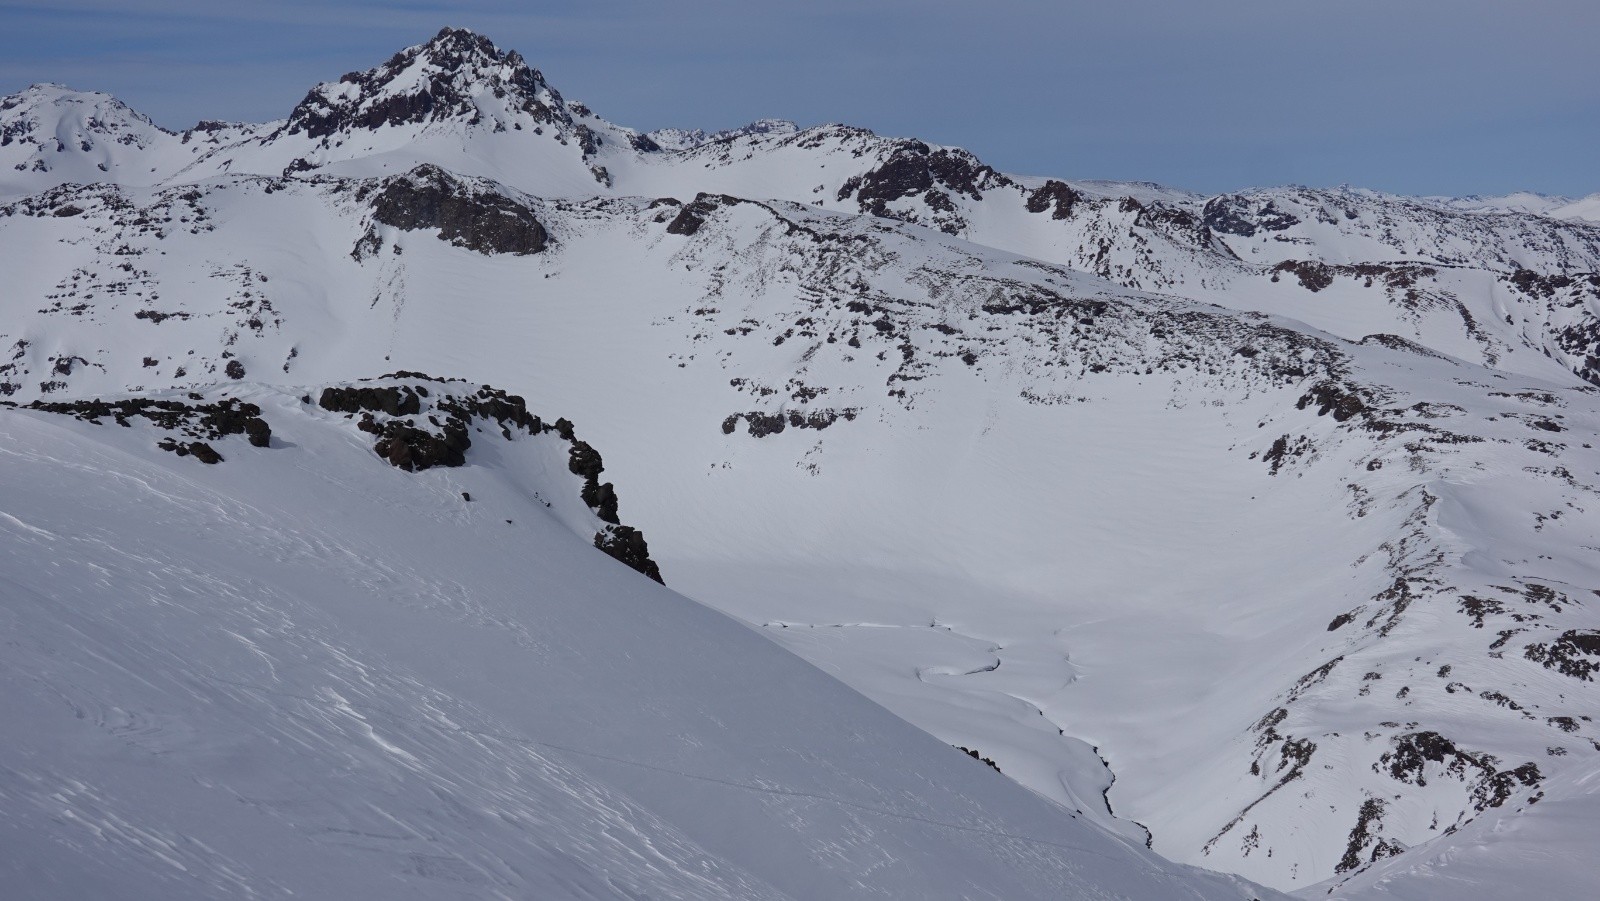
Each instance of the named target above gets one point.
<point>190,424</point>
<point>932,175</point>
<point>420,422</point>
<point>432,82</point>
<point>682,139</point>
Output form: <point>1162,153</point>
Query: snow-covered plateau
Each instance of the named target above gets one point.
<point>1249,528</point>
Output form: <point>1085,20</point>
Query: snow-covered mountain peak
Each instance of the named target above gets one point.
<point>456,76</point>
<point>108,112</point>
<point>456,101</point>
<point>51,134</point>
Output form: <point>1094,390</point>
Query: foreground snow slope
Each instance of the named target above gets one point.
<point>302,671</point>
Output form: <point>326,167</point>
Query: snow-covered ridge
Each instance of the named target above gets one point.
<point>681,139</point>
<point>1585,208</point>
<point>50,134</point>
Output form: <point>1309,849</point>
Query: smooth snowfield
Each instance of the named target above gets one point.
<point>302,672</point>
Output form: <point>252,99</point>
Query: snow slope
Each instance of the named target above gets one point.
<point>1271,507</point>
<point>301,670</point>
<point>1537,845</point>
<point>53,135</point>
<point>1055,599</point>
<point>1587,208</point>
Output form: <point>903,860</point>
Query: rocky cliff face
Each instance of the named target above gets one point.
<point>481,219</point>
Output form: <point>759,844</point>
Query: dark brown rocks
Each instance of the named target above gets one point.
<point>478,219</point>
<point>228,416</point>
<point>1576,653</point>
<point>382,99</point>
<point>413,449</point>
<point>627,544</point>
<point>395,401</point>
<point>1342,401</point>
<point>1056,196</point>
<point>201,451</point>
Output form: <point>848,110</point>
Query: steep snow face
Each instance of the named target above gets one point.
<point>1350,226</point>
<point>290,667</point>
<point>52,135</point>
<point>1514,292</point>
<point>832,166</point>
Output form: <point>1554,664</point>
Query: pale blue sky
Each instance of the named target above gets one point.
<point>1415,96</point>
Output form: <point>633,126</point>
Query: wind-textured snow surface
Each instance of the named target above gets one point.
<point>1255,526</point>
<point>304,671</point>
